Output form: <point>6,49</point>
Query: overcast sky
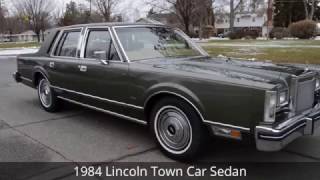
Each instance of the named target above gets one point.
<point>133,9</point>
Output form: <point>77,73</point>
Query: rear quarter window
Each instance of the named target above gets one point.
<point>53,41</point>
<point>68,44</point>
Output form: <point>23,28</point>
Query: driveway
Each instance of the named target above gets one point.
<point>76,134</point>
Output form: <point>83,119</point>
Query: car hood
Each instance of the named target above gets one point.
<point>264,72</point>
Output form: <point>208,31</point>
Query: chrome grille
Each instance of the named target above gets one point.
<point>305,93</point>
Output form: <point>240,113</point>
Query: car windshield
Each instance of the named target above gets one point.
<point>141,43</point>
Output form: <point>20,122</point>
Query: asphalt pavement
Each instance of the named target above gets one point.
<point>76,134</point>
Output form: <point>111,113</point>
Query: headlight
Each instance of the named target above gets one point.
<point>317,84</point>
<point>283,97</point>
<point>270,106</point>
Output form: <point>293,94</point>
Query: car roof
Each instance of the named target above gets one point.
<point>110,25</point>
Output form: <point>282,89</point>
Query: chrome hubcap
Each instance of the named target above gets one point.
<point>173,129</point>
<point>45,93</point>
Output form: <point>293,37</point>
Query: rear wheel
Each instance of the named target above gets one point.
<point>177,129</point>
<point>48,100</point>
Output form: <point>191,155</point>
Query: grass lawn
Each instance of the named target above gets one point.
<point>19,45</point>
<point>293,51</point>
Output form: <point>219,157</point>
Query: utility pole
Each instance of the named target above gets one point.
<point>270,17</point>
<point>231,15</point>
<point>90,7</point>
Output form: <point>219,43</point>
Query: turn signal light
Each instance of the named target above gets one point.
<point>235,134</point>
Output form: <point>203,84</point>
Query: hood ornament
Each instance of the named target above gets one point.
<point>307,66</point>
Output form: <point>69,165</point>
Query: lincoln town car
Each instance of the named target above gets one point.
<point>157,76</point>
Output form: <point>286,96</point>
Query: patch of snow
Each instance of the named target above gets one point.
<point>317,38</point>
<point>290,38</point>
<point>18,51</point>
<point>209,39</point>
<point>261,45</point>
<point>262,38</point>
<point>221,56</point>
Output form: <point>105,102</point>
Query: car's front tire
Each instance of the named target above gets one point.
<point>46,95</point>
<point>178,129</point>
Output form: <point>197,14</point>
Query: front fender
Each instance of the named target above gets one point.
<point>175,90</point>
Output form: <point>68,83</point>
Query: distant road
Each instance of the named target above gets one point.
<point>17,51</point>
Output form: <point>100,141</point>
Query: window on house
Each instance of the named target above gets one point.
<point>253,19</point>
<point>238,19</point>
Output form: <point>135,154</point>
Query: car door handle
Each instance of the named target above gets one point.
<point>51,64</point>
<point>83,68</point>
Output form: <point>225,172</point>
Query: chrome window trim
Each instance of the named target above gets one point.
<point>99,98</point>
<point>105,111</point>
<point>191,42</point>
<point>59,38</point>
<point>120,44</point>
<point>84,43</point>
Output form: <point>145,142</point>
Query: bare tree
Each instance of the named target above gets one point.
<point>309,6</point>
<point>204,14</point>
<point>36,12</point>
<point>105,7</point>
<point>2,20</point>
<point>183,9</point>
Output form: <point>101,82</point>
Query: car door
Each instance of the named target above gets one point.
<point>103,75</point>
<point>63,66</point>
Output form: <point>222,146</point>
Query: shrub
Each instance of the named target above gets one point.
<point>305,29</point>
<point>235,35</point>
<point>280,33</point>
<point>247,34</point>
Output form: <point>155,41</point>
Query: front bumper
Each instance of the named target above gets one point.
<point>17,77</point>
<point>276,138</point>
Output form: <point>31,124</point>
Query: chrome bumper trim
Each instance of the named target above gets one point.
<point>276,138</point>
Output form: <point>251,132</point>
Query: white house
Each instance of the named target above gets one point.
<point>27,36</point>
<point>250,19</point>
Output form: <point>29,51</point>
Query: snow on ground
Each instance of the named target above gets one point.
<point>261,44</point>
<point>17,51</point>
<point>198,40</point>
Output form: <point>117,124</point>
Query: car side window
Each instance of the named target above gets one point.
<point>68,44</point>
<point>100,46</point>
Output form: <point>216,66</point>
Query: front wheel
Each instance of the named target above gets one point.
<point>48,100</point>
<point>177,129</point>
